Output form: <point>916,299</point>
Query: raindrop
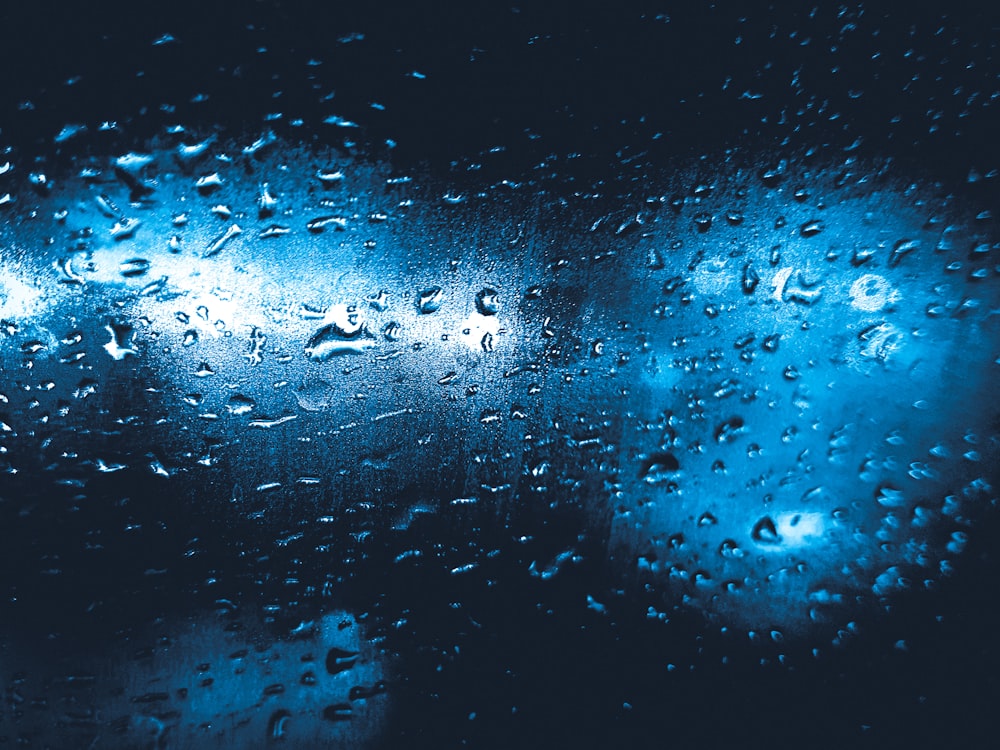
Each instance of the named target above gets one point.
<point>430,299</point>
<point>277,725</point>
<point>764,532</point>
<point>322,222</point>
<point>730,550</point>
<point>274,230</point>
<point>208,183</point>
<point>487,301</point>
<point>658,467</point>
<point>811,228</point>
<point>218,243</point>
<point>119,346</point>
<point>240,404</point>
<point>338,660</point>
<point>331,340</point>
<point>729,430</point>
<point>889,497</point>
<point>133,267</point>
<point>900,250</point>
<point>125,228</point>
<point>338,712</point>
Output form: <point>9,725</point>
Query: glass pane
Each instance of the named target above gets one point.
<point>504,377</point>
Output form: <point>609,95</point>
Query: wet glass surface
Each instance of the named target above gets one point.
<point>500,376</point>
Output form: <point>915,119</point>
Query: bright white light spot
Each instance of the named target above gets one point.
<point>479,332</point>
<point>17,299</point>
<point>799,529</point>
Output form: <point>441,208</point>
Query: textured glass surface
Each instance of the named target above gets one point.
<point>498,377</point>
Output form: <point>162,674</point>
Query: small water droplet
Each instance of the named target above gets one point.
<point>811,228</point>
<point>430,299</point>
<point>125,228</point>
<point>729,430</point>
<point>217,244</point>
<point>277,725</point>
<point>659,467</point>
<point>273,230</point>
<point>240,404</point>
<point>338,660</point>
<point>119,346</point>
<point>209,183</point>
<point>750,279</point>
<point>320,223</point>
<point>900,250</point>
<point>379,300</point>
<point>730,550</point>
<point>765,532</point>
<point>338,712</point>
<point>487,301</point>
<point>889,497</point>
<point>133,267</point>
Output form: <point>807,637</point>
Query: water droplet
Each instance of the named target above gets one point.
<point>277,725</point>
<point>333,340</point>
<point>338,660</point>
<point>658,467</point>
<point>900,250</point>
<point>266,203</point>
<point>119,346</point>
<point>133,267</point>
<point>729,430</point>
<point>392,331</point>
<point>730,550</point>
<point>274,230</point>
<point>125,228</point>
<point>811,228</point>
<point>209,183</point>
<point>218,243</point>
<point>490,416</point>
<point>379,300</point>
<point>133,162</point>
<point>338,712</point>
<point>889,497</point>
<point>771,176</point>
<point>32,347</point>
<point>331,177</point>
<point>430,299</point>
<point>240,404</point>
<point>764,532</point>
<point>322,222</point>
<point>487,301</point>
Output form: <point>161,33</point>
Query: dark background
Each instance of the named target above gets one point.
<point>918,82</point>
